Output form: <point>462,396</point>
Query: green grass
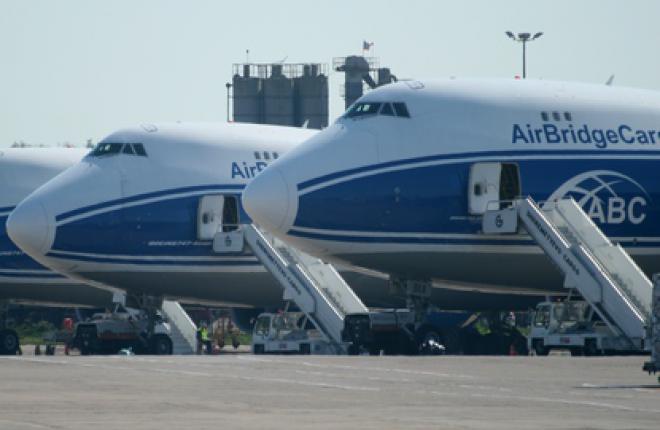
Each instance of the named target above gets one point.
<point>243,338</point>
<point>524,331</point>
<point>32,333</point>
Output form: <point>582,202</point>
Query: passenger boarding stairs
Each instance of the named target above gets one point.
<point>314,286</point>
<point>601,271</point>
<point>653,365</point>
<point>183,331</point>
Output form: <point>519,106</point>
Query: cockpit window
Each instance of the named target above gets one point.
<point>128,149</point>
<point>387,109</point>
<point>378,108</point>
<point>139,149</point>
<point>362,109</point>
<point>401,110</point>
<point>107,149</point>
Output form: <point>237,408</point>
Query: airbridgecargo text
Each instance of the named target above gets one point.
<point>245,170</point>
<point>598,137</point>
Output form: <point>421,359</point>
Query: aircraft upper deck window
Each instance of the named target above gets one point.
<point>106,149</point>
<point>401,110</point>
<point>362,109</point>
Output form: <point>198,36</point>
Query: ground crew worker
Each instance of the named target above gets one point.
<point>204,334</point>
<point>198,336</point>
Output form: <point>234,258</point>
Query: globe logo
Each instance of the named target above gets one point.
<point>608,197</point>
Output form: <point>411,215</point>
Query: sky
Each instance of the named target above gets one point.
<point>72,70</point>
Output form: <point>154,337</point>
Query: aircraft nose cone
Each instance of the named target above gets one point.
<point>266,199</point>
<point>27,227</point>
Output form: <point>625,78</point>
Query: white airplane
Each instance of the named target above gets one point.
<point>23,280</point>
<point>399,182</point>
<point>141,211</point>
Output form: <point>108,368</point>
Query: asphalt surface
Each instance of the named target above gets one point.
<point>269,392</point>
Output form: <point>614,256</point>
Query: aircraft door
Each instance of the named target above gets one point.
<point>209,216</point>
<point>484,186</point>
<point>490,183</point>
<point>230,217</point>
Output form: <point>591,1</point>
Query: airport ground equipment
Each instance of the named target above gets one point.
<point>653,365</point>
<point>389,330</point>
<point>287,333</point>
<point>223,328</point>
<point>602,272</point>
<point>183,331</point>
<point>573,325</point>
<point>345,324</point>
<point>315,287</point>
<point>63,336</point>
<point>107,333</point>
<point>9,342</point>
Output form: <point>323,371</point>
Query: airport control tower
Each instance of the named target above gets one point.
<point>281,94</point>
<point>358,72</point>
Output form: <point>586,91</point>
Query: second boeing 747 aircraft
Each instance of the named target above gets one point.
<point>400,182</point>
<point>140,212</point>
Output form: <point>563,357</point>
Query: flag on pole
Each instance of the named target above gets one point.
<point>366,45</point>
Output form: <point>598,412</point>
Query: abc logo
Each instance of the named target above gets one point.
<point>608,197</point>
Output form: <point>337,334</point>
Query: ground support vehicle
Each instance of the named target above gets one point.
<point>573,325</point>
<point>110,332</point>
<point>9,342</point>
<point>287,333</point>
<point>396,331</point>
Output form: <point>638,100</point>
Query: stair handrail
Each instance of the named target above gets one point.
<point>594,248</point>
<point>302,279</point>
<point>304,260</point>
<point>180,318</point>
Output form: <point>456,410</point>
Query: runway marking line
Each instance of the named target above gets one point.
<point>347,367</point>
<point>550,400</point>
<point>26,424</point>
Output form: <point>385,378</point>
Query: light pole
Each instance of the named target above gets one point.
<point>228,86</point>
<point>524,38</point>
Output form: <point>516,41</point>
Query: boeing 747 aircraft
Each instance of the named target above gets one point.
<point>400,182</point>
<point>21,278</point>
<point>141,210</point>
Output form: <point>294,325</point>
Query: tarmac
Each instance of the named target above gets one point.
<point>242,391</point>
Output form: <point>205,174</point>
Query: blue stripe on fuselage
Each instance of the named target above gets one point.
<point>402,239</point>
<point>28,274</point>
<point>356,237</point>
<point>433,199</point>
<point>166,227</point>
<point>439,157</point>
<point>138,197</point>
<point>159,262</point>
